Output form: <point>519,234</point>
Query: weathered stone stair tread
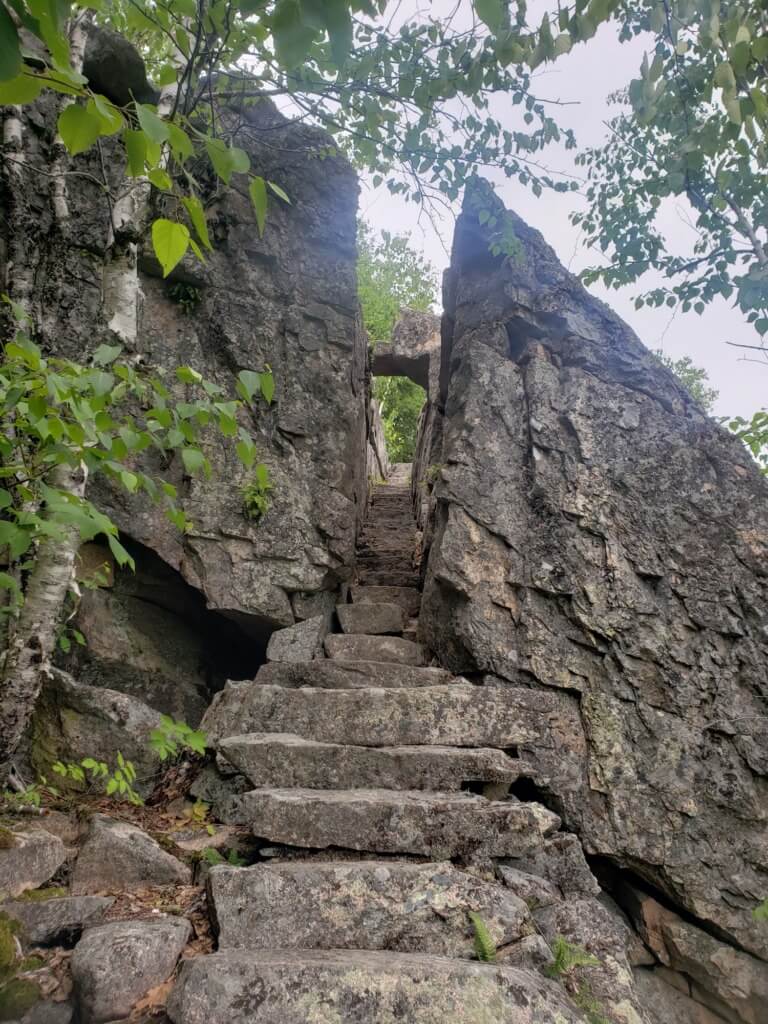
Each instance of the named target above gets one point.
<point>371,619</point>
<point>344,675</point>
<point>459,715</point>
<point>375,648</point>
<point>360,987</point>
<point>409,598</point>
<point>283,759</point>
<point>384,821</point>
<point>370,904</point>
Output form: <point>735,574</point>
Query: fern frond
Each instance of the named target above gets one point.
<point>485,947</point>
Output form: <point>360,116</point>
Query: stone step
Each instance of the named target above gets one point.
<point>347,675</point>
<point>459,715</point>
<point>359,987</point>
<point>393,905</point>
<point>409,598</point>
<point>387,578</point>
<point>283,759</point>
<point>375,648</point>
<point>371,619</point>
<point>436,825</point>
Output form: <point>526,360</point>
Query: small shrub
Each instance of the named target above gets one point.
<point>117,781</point>
<point>256,492</point>
<point>569,959</point>
<point>52,892</point>
<point>172,737</point>
<point>185,295</point>
<point>760,913</point>
<point>485,947</point>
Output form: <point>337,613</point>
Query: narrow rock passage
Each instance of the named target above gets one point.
<point>381,795</point>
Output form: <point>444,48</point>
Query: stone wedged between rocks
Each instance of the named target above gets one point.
<point>281,759</point>
<point>460,715</point>
<point>117,856</point>
<point>436,825</point>
<point>349,647</point>
<point>409,598</point>
<point>392,905</point>
<point>345,675</point>
<point>286,987</point>
<point>28,859</point>
<point>371,619</point>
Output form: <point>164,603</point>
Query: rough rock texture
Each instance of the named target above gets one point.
<point>349,675</point>
<point>409,908</point>
<point>435,825</point>
<point>74,720</point>
<point>664,1003</point>
<point>373,619</point>
<point>56,921</point>
<point>415,345</point>
<point>28,859</point>
<point>287,300</point>
<point>458,715</point>
<point>278,759</point>
<point>361,988</point>
<point>115,964</point>
<point>595,532</point>
<point>408,598</point>
<point>301,642</point>
<point>117,856</point>
<point>375,648</point>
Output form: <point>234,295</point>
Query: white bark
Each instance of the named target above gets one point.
<point>28,657</point>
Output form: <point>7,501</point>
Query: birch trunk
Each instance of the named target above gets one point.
<point>28,657</point>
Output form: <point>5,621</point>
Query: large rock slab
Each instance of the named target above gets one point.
<point>375,648</point>
<point>28,859</point>
<point>664,1003</point>
<point>56,921</point>
<point>280,759</point>
<point>346,675</point>
<point>595,531</point>
<point>115,964</point>
<point>460,715</point>
<point>410,908</point>
<point>301,642</point>
<point>372,619</point>
<point>361,988</point>
<point>118,856</point>
<point>288,300</point>
<point>409,598</point>
<point>382,821</point>
<point>73,720</point>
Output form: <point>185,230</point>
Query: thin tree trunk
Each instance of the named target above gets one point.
<point>28,657</point>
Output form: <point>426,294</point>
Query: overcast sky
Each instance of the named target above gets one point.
<point>587,76</point>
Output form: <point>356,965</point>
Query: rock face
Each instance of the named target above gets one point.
<point>415,347</point>
<point>28,859</point>
<point>361,988</point>
<point>115,964</point>
<point>118,856</point>
<point>56,921</point>
<point>287,300</point>
<point>417,908</point>
<point>596,533</point>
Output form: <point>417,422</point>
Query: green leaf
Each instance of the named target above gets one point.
<point>292,37</point>
<point>267,384</point>
<point>491,12</point>
<point>23,89</point>
<point>227,160</point>
<point>258,193</point>
<point>106,354</point>
<point>165,76</point>
<point>193,460</point>
<point>188,376</point>
<point>170,241</point>
<point>136,151</point>
<point>194,208</point>
<point>10,51</point>
<point>279,192</point>
<point>109,117</point>
<point>79,128</point>
<point>249,382</point>
<point>160,179</point>
<point>181,144</point>
<point>155,128</point>
<point>121,555</point>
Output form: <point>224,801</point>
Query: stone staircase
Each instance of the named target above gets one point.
<point>380,793</point>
